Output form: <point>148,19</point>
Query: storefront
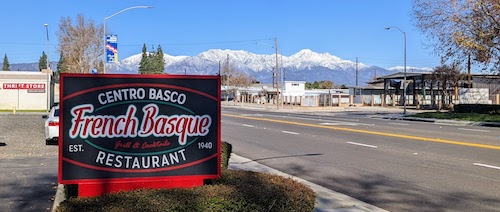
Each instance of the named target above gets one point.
<point>26,90</point>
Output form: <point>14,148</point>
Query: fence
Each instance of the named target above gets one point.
<point>342,100</point>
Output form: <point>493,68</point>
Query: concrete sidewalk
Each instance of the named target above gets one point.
<point>326,199</point>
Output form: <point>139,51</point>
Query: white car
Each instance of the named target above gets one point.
<point>52,126</point>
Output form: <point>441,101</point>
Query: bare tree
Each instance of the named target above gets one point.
<point>235,80</point>
<point>81,44</point>
<point>447,77</point>
<point>459,28</point>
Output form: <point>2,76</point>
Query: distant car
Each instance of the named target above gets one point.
<point>52,126</point>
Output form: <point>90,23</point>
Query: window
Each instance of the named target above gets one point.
<point>295,84</point>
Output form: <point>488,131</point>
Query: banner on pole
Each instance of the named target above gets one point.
<point>111,48</point>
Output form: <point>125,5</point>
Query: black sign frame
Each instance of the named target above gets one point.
<point>123,128</point>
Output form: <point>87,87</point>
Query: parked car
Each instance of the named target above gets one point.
<point>52,126</point>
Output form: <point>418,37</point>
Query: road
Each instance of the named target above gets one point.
<point>28,176</point>
<point>394,165</point>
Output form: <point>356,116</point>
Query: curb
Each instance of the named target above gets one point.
<point>59,197</point>
<point>443,121</point>
<point>326,199</point>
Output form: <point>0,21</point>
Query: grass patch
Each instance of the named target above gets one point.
<point>236,190</point>
<point>23,111</point>
<point>459,116</point>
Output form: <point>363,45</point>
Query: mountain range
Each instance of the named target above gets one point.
<point>304,65</point>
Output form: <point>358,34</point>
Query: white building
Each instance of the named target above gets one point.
<point>26,90</point>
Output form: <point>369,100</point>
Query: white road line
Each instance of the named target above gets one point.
<point>346,119</point>
<point>365,145</point>
<point>247,125</point>
<point>345,123</point>
<point>475,130</point>
<point>288,132</point>
<point>395,123</point>
<point>487,166</point>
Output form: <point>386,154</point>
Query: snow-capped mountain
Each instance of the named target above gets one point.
<point>304,65</point>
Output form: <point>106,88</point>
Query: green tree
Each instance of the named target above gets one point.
<point>144,64</point>
<point>61,67</point>
<point>152,62</point>
<point>159,61</point>
<point>6,65</point>
<point>42,63</point>
<point>315,85</point>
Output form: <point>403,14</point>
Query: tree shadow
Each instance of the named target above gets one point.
<point>398,195</point>
<point>286,156</point>
<point>27,184</point>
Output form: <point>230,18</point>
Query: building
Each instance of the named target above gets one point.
<point>423,89</point>
<point>26,90</point>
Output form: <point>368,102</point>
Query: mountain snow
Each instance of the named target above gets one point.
<point>305,65</point>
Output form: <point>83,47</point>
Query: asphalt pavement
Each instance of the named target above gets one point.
<point>28,176</point>
<point>28,183</point>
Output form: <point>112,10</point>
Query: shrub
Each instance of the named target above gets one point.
<point>226,149</point>
<point>477,108</point>
<point>236,190</point>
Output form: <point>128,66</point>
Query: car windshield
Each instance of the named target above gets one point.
<point>56,113</point>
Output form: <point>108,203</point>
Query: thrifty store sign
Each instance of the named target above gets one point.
<point>134,127</point>
<point>34,86</point>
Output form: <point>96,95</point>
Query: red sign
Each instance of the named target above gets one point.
<point>137,128</point>
<point>24,86</point>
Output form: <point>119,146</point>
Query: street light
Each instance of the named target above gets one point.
<point>104,28</point>
<point>48,50</point>
<point>48,67</point>
<point>404,79</point>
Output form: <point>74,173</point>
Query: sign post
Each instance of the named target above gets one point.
<point>122,132</point>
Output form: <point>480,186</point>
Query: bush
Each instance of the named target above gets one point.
<point>226,149</point>
<point>477,108</point>
<point>236,190</point>
<point>71,190</point>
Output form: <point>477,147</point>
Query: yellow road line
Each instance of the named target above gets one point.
<point>437,140</point>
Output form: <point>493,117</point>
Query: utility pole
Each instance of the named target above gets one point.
<point>218,72</point>
<point>227,78</point>
<point>277,74</point>
<point>468,71</point>
<point>274,85</point>
<point>282,82</point>
<point>356,71</point>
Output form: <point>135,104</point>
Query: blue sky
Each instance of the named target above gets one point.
<point>344,28</point>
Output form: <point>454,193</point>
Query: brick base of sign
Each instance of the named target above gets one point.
<point>98,189</point>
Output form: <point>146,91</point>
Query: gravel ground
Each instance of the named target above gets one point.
<point>22,135</point>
